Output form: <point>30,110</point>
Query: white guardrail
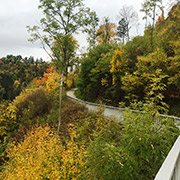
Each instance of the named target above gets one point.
<point>109,111</point>
<point>170,169</point>
<point>112,111</point>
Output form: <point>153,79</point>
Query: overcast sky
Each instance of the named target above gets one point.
<point>15,15</point>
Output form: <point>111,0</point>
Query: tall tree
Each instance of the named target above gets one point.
<point>128,17</point>
<point>150,8</point>
<point>106,32</point>
<point>91,30</point>
<point>122,29</point>
<point>62,19</point>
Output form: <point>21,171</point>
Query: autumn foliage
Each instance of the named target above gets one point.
<point>89,145</point>
<point>41,155</point>
<point>123,73</point>
<point>106,32</point>
<point>16,73</point>
<point>51,79</point>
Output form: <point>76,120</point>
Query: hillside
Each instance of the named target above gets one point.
<point>116,73</point>
<point>44,135</point>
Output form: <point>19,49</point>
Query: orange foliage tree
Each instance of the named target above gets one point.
<point>106,32</point>
<point>50,79</point>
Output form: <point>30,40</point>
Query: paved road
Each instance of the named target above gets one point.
<point>109,111</point>
<point>71,93</point>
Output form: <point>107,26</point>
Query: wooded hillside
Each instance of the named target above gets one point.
<point>44,135</point>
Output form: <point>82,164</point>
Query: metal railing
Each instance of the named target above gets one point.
<point>170,169</point>
<point>117,111</point>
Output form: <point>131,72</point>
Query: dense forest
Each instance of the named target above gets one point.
<point>44,135</point>
<point>16,73</point>
<point>116,73</point>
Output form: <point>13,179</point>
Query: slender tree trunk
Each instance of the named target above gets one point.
<point>128,28</point>
<point>152,28</point>
<point>128,36</point>
<point>60,100</point>
<point>123,40</point>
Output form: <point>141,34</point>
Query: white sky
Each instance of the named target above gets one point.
<point>15,15</point>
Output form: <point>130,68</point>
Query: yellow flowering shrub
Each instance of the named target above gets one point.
<point>41,155</point>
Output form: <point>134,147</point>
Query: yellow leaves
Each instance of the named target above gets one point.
<point>155,60</point>
<point>130,84</point>
<point>42,156</point>
<point>8,117</point>
<point>104,82</point>
<point>106,32</point>
<point>72,158</point>
<point>152,146</point>
<point>174,14</point>
<point>50,80</point>
<point>117,61</point>
<point>176,47</point>
<point>70,79</point>
<point>34,157</point>
<point>16,84</point>
<point>65,42</point>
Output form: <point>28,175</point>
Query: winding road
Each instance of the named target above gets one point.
<point>109,111</point>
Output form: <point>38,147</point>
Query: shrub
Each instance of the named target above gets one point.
<point>42,156</point>
<point>38,98</point>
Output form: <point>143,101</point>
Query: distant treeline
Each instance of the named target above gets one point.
<point>16,72</point>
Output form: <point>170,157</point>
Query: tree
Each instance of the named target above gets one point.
<point>138,83</point>
<point>149,7</point>
<point>95,77</point>
<point>106,32</point>
<point>91,30</point>
<point>118,64</point>
<point>127,17</point>
<point>2,91</point>
<point>16,73</point>
<point>62,19</point>
<point>168,31</point>
<point>122,29</point>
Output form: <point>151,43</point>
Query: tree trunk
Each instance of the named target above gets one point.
<point>152,28</point>
<point>60,100</point>
<point>127,29</point>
